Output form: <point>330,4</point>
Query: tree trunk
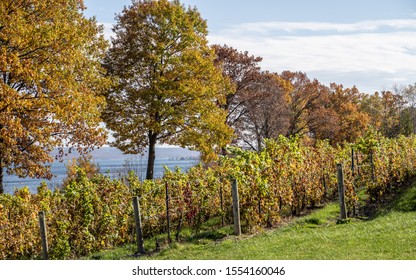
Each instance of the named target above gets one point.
<point>151,156</point>
<point>259,142</point>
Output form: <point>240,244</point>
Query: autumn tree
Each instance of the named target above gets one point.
<point>305,101</point>
<point>352,122</point>
<point>372,104</point>
<point>393,104</point>
<point>409,95</point>
<point>243,71</point>
<point>267,111</point>
<point>388,113</point>
<point>167,85</point>
<point>50,80</point>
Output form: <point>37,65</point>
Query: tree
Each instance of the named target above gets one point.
<point>409,95</point>
<point>305,100</point>
<point>243,71</point>
<point>352,122</point>
<point>322,112</point>
<point>50,83</point>
<point>372,104</point>
<point>388,113</point>
<point>324,118</point>
<point>168,88</point>
<point>267,114</point>
<point>392,107</point>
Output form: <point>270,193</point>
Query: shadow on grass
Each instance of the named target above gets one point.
<point>402,199</point>
<point>213,235</point>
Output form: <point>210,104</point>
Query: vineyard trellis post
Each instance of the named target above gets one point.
<point>236,208</point>
<point>167,211</point>
<point>373,176</point>
<point>324,185</point>
<point>43,235</point>
<point>357,163</point>
<point>354,166</point>
<point>341,191</point>
<point>138,223</point>
<point>222,206</point>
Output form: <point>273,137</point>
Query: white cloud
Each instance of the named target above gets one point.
<point>362,26</point>
<point>108,32</point>
<point>373,55</point>
<point>336,50</point>
<point>356,52</point>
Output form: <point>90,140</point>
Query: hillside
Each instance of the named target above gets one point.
<point>390,234</point>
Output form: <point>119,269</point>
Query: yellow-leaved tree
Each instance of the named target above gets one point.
<point>168,88</point>
<point>51,82</point>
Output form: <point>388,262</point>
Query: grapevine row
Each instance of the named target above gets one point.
<point>285,179</point>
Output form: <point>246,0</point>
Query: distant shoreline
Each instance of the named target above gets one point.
<point>112,162</point>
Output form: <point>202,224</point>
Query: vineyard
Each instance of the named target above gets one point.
<point>287,178</point>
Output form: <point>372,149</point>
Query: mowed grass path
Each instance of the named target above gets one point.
<point>390,235</point>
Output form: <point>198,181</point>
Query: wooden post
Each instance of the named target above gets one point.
<point>373,177</point>
<point>341,192</point>
<point>358,164</point>
<point>236,208</point>
<point>167,212</point>
<point>222,206</point>
<point>43,235</point>
<point>353,175</point>
<point>139,232</point>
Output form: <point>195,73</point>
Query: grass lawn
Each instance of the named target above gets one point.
<point>318,236</point>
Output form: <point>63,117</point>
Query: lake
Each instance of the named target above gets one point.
<point>112,162</point>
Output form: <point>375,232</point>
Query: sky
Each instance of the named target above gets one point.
<point>367,43</point>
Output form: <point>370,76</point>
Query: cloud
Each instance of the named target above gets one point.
<point>373,55</point>
<point>333,50</point>
<point>108,32</point>
<point>290,27</point>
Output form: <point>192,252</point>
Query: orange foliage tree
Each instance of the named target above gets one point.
<point>50,83</point>
<point>168,87</point>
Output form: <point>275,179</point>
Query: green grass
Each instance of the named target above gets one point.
<point>389,235</point>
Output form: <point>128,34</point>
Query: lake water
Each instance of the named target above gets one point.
<point>114,163</point>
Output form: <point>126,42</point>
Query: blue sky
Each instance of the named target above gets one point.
<point>367,43</point>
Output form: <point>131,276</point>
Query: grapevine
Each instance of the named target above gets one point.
<point>94,212</point>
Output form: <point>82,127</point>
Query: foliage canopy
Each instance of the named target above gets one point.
<point>50,80</point>
<point>168,88</point>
